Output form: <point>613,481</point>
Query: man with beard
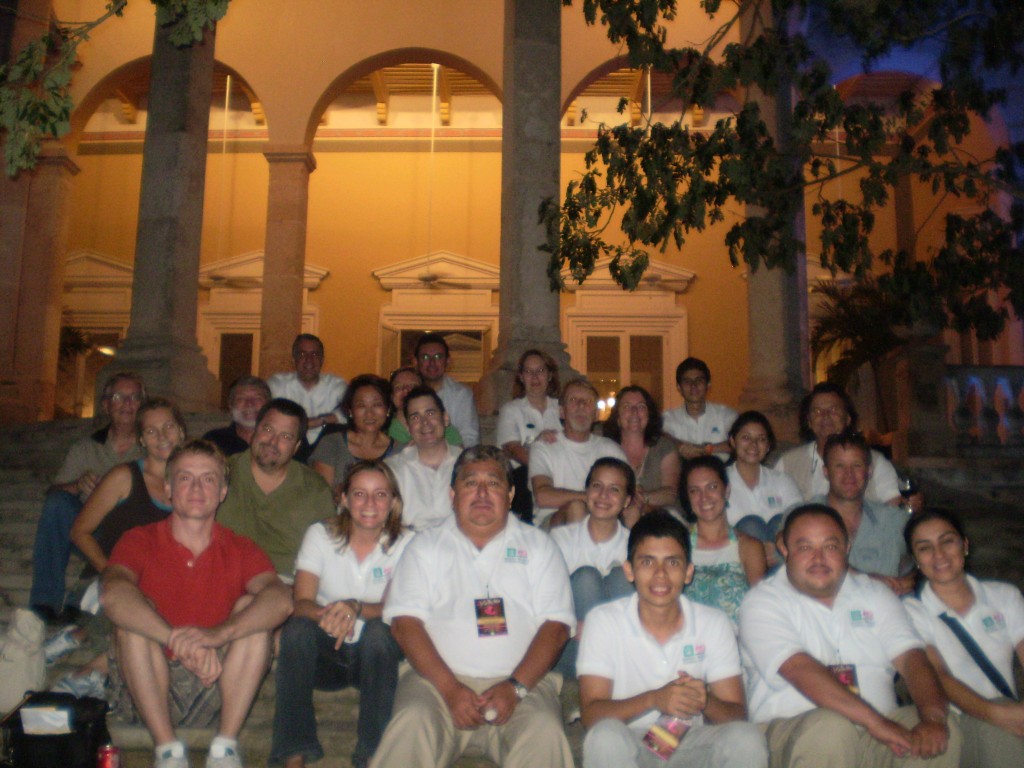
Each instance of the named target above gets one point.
<point>558,470</point>
<point>273,499</point>
<point>245,398</point>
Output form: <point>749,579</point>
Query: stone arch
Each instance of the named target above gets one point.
<point>128,76</point>
<point>393,58</point>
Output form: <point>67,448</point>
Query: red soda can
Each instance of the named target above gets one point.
<point>108,756</point>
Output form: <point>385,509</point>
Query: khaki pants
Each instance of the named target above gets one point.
<point>823,739</point>
<point>989,746</point>
<point>421,733</point>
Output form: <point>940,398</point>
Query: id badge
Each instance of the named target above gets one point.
<point>490,616</point>
<point>846,674</point>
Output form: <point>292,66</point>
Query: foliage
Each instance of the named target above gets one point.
<point>35,100</point>
<point>664,181</point>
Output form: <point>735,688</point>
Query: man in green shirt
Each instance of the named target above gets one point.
<point>273,499</point>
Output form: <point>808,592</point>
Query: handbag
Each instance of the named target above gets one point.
<point>55,729</point>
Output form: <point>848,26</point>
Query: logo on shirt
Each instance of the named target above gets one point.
<point>380,574</point>
<point>862,618</point>
<point>774,501</point>
<point>693,653</point>
<point>994,623</point>
<point>716,431</point>
<point>514,555</point>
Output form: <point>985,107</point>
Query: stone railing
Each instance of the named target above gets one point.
<point>986,406</point>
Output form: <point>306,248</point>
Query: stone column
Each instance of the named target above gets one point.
<point>530,156</point>
<point>777,300</point>
<point>161,343</point>
<point>35,226</point>
<point>284,255</point>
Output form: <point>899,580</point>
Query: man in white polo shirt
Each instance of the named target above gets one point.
<point>558,470</point>
<point>657,653</point>
<point>699,426</point>
<point>424,468</point>
<point>481,607</point>
<point>821,646</point>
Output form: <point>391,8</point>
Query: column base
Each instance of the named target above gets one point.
<point>170,369</point>
<point>780,403</point>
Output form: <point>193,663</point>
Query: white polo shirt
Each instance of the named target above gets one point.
<point>712,426</point>
<point>567,463</point>
<point>323,398</point>
<point>461,408</point>
<point>867,627</point>
<point>774,493</point>
<point>615,646</point>
<point>579,549</point>
<point>341,574</point>
<point>520,422</point>
<point>807,469</point>
<point>442,573</point>
<point>425,498</point>
<point>995,621</point>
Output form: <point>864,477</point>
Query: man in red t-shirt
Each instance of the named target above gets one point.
<point>193,607</point>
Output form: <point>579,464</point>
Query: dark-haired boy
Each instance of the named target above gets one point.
<point>656,653</point>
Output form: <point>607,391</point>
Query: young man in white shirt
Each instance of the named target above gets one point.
<point>481,607</point>
<point>558,470</point>
<point>424,468</point>
<point>657,653</point>
<point>699,426</point>
<point>431,358</point>
<point>821,646</point>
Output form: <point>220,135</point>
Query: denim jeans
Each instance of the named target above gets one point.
<point>307,661</point>
<point>590,588</point>
<point>757,527</point>
<point>52,549</point>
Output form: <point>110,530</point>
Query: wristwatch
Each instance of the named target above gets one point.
<point>520,689</point>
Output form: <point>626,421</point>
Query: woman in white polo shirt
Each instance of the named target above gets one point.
<point>969,625</point>
<point>760,495</point>
<point>336,637</point>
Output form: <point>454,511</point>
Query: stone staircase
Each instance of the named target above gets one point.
<point>990,498</point>
<point>29,457</point>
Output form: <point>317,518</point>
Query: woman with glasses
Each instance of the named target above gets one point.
<point>531,415</point>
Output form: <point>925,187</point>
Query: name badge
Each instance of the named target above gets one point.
<point>490,616</point>
<point>846,675</point>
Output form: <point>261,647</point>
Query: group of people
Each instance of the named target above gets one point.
<point>715,612</point>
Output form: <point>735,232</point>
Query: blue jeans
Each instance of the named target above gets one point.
<point>52,549</point>
<point>307,661</point>
<point>590,588</point>
<point>758,528</point>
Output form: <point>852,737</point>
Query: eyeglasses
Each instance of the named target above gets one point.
<point>121,397</point>
<point>696,381</point>
<point>433,356</point>
<point>832,410</point>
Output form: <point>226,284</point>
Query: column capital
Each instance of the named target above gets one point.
<point>290,153</point>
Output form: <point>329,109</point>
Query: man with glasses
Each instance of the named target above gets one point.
<point>318,393</point>
<point>558,470</point>
<point>827,410</point>
<point>86,462</point>
<point>273,499</point>
<point>699,426</point>
<point>431,358</point>
<point>424,468</point>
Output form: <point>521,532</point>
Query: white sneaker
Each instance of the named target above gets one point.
<point>61,644</point>
<point>230,759</point>
<point>170,761</point>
